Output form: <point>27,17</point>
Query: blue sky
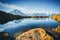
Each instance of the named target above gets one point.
<point>31,6</point>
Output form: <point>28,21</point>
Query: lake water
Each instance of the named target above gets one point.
<point>28,23</point>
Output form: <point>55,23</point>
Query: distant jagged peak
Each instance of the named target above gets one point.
<point>17,12</point>
<point>39,14</point>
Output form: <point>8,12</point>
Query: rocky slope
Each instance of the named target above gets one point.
<point>56,17</point>
<point>35,34</point>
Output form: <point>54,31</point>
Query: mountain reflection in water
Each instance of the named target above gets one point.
<point>22,25</point>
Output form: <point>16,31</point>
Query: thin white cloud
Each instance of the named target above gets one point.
<point>25,10</point>
<point>12,7</point>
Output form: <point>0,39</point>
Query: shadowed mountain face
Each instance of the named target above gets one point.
<point>5,17</point>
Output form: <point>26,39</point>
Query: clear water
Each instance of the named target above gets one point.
<point>28,23</point>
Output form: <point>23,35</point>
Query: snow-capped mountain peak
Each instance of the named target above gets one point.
<point>39,14</point>
<point>17,12</point>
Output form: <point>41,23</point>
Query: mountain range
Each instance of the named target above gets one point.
<point>17,12</point>
<point>39,14</point>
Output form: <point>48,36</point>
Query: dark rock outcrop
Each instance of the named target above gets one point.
<point>5,36</point>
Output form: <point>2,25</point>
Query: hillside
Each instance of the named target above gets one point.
<point>5,17</point>
<point>56,17</point>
